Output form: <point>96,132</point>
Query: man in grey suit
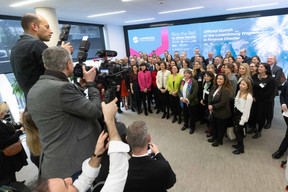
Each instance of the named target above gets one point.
<point>67,121</point>
<point>276,74</point>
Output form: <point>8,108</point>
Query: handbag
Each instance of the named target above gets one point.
<point>230,133</point>
<point>13,149</point>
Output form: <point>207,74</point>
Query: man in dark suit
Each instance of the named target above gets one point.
<point>66,119</point>
<point>210,59</point>
<point>276,74</point>
<point>26,55</point>
<point>217,63</point>
<point>246,59</point>
<point>146,173</point>
<point>196,52</point>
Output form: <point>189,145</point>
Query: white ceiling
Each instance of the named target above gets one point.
<point>69,10</point>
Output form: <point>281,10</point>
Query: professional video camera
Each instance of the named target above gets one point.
<point>110,74</point>
<point>82,57</point>
<point>64,34</point>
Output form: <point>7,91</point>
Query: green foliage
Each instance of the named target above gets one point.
<point>17,89</point>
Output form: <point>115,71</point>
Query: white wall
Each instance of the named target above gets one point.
<point>114,40</point>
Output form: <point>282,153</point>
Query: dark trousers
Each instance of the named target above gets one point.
<point>253,116</point>
<point>189,113</point>
<point>156,94</point>
<point>175,105</point>
<point>284,145</point>
<point>261,113</point>
<point>238,129</point>
<point>164,99</point>
<point>219,129</point>
<point>118,95</point>
<point>270,111</point>
<point>136,101</point>
<point>144,97</point>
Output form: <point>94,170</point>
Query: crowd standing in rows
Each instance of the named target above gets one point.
<point>219,92</point>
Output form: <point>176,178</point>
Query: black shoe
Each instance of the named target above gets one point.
<point>238,151</point>
<point>256,135</point>
<point>277,155</point>
<point>183,128</point>
<point>235,146</point>
<point>174,120</point>
<point>120,111</point>
<point>179,121</point>
<point>267,126</point>
<point>132,109</point>
<point>146,113</point>
<point>216,144</point>
<point>211,140</point>
<point>164,115</point>
<point>191,131</point>
<point>167,116</point>
<point>138,112</point>
<point>158,111</point>
<point>150,111</point>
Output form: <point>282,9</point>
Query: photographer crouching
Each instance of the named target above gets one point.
<point>66,120</point>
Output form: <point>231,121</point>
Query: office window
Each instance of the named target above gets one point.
<point>95,37</point>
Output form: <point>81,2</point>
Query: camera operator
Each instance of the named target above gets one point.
<point>66,120</point>
<point>26,55</point>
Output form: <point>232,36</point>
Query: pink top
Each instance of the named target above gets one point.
<point>144,80</point>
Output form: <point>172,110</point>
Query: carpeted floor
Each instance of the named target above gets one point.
<point>200,167</point>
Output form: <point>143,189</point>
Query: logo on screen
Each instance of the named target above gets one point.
<point>135,39</point>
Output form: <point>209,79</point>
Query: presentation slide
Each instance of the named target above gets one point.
<point>260,36</point>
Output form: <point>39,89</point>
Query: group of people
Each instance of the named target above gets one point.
<point>64,128</point>
<point>220,92</point>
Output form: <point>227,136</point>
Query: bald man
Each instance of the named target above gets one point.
<point>26,55</point>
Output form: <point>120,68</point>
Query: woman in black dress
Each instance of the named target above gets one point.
<point>8,136</point>
<point>263,92</point>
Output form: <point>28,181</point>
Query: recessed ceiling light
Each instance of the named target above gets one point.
<point>24,3</point>
<point>126,0</point>
<point>180,10</point>
<point>139,20</point>
<point>252,6</point>
<point>104,14</point>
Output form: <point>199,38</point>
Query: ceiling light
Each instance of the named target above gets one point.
<point>104,14</point>
<point>253,6</point>
<point>24,3</point>
<point>139,20</point>
<point>180,10</point>
<point>126,0</point>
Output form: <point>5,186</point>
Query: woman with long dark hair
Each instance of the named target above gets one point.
<point>263,92</point>
<point>219,108</point>
<point>135,89</point>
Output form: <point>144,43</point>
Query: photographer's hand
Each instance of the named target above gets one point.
<point>90,75</point>
<point>99,150</point>
<point>154,148</point>
<point>109,111</point>
<point>68,47</point>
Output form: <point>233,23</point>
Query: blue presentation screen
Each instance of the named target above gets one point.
<point>260,36</point>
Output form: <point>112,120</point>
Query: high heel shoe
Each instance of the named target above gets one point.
<point>164,115</point>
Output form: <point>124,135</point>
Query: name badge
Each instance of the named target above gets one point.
<point>207,92</point>
<point>273,75</point>
<point>261,85</point>
<point>199,79</point>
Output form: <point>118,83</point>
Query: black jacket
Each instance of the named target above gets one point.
<point>26,61</point>
<point>146,174</point>
<point>264,89</point>
<point>284,94</point>
<point>9,165</point>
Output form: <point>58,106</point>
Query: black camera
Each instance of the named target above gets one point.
<point>64,34</point>
<point>82,57</point>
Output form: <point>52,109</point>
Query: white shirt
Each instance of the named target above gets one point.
<point>244,106</point>
<point>118,170</point>
<point>185,89</point>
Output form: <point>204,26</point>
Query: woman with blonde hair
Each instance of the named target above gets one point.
<point>32,137</point>
<point>244,73</point>
<point>242,108</point>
